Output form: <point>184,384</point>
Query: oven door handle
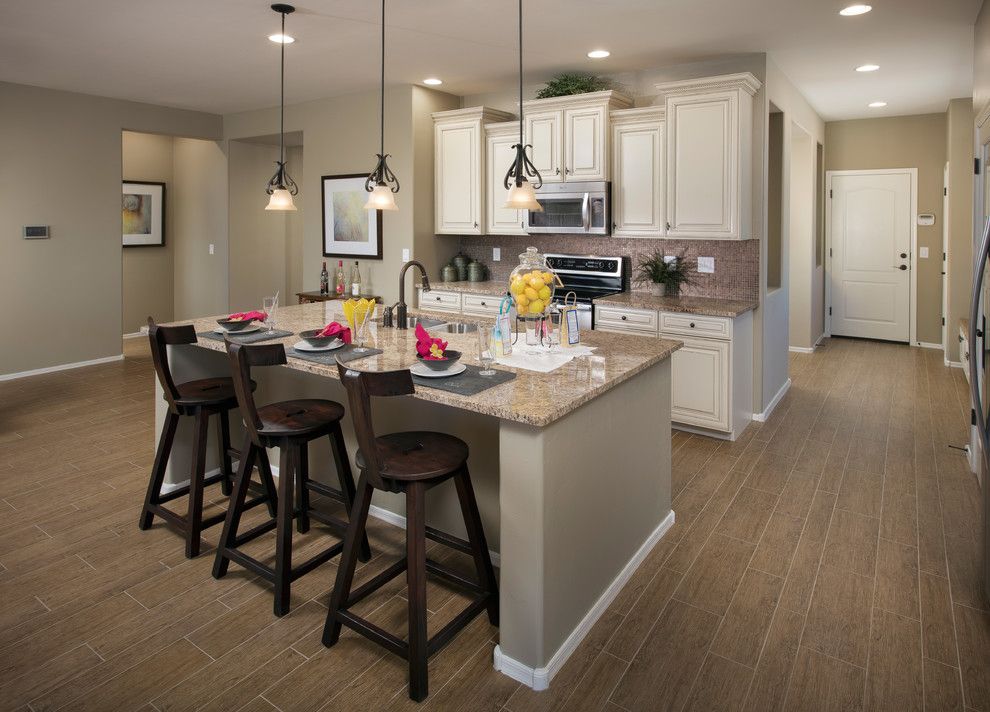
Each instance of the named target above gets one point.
<point>586,212</point>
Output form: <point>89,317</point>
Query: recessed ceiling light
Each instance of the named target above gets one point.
<point>855,10</point>
<point>877,104</point>
<point>867,67</point>
<point>279,38</point>
<point>599,53</point>
<point>433,81</point>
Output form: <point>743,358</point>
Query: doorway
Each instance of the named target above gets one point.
<point>871,239</point>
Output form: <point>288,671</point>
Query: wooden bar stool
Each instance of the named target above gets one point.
<point>412,463</point>
<point>199,399</point>
<point>290,426</point>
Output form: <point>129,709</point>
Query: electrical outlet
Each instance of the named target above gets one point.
<point>669,258</point>
<point>706,265</point>
<point>923,252</point>
<point>211,248</point>
<point>496,254</point>
<point>405,254</point>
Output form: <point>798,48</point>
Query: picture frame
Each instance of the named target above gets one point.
<point>142,213</point>
<point>349,231</point>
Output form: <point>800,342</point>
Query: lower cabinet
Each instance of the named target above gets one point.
<point>700,383</point>
<point>438,300</point>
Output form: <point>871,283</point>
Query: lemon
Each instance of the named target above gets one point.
<point>522,300</point>
<point>536,282</point>
<point>536,307</point>
<point>517,286</point>
<point>544,293</point>
<point>547,278</point>
<point>531,293</point>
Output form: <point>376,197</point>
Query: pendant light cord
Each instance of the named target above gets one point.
<point>281,117</point>
<point>520,74</point>
<point>382,123</point>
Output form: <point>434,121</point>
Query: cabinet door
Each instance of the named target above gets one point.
<point>637,179</point>
<point>700,384</point>
<point>458,178</point>
<point>702,160</point>
<point>543,131</point>
<point>585,144</point>
<point>499,155</point>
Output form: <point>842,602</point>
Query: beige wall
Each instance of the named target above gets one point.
<point>148,272</point>
<point>802,321</point>
<point>61,167</point>
<point>959,220</point>
<point>903,142</point>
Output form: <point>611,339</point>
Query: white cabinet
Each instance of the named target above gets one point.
<point>438,300</point>
<point>459,171</point>
<point>570,136</point>
<point>709,126</point>
<point>637,172</point>
<point>480,304</point>
<point>499,154</point>
<point>699,379</point>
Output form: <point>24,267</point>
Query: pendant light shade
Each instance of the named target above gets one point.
<point>382,183</point>
<point>522,192</point>
<point>281,187</point>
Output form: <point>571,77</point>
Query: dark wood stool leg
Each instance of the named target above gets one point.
<point>194,519</point>
<point>158,470</point>
<point>416,583</point>
<point>267,481</point>
<point>302,491</point>
<point>348,560</point>
<point>479,545</point>
<point>223,443</point>
<point>343,465</point>
<point>283,529</point>
<point>234,507</point>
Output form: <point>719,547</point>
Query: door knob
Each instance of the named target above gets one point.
<point>903,255</point>
<point>902,267</point>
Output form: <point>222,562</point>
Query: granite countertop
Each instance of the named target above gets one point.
<point>706,306</point>
<point>494,287</point>
<point>533,398</point>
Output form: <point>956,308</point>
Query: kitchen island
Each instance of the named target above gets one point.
<point>571,468</point>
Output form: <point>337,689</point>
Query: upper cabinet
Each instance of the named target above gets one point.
<point>637,172</point>
<point>459,177</point>
<point>709,127</point>
<point>499,154</point>
<point>570,136</point>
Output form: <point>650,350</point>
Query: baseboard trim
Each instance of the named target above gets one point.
<point>135,335</point>
<point>953,364</point>
<point>927,345</point>
<point>539,678</point>
<point>762,417</point>
<point>801,349</point>
<point>169,487</point>
<point>60,367</point>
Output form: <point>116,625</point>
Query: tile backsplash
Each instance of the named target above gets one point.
<point>737,262</point>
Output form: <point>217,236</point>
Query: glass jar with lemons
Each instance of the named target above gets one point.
<point>532,285</point>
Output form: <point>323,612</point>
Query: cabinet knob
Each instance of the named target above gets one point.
<point>484,304</point>
<point>556,172</point>
<point>692,324</point>
<point>624,317</point>
<point>438,299</point>
<point>476,224</point>
<point>960,338</point>
<point>668,224</point>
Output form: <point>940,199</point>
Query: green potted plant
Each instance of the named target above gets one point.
<point>570,83</point>
<point>664,273</point>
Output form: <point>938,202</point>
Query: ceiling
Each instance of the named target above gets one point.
<point>215,56</point>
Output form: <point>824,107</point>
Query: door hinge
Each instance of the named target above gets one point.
<point>943,321</point>
<point>976,166</point>
<point>830,311</point>
<point>972,417</point>
<point>945,191</point>
<point>830,252</point>
<point>830,192</point>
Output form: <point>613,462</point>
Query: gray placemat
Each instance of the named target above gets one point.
<point>468,383</point>
<point>252,338</point>
<point>346,353</point>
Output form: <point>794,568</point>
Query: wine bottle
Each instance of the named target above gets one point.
<point>340,284</point>
<point>355,280</point>
<point>324,280</point>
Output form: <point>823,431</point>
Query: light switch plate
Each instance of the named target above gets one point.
<point>923,252</point>
<point>405,254</point>
<point>706,265</point>
<point>496,254</point>
<point>211,248</point>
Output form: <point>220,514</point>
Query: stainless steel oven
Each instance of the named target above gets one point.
<point>573,208</point>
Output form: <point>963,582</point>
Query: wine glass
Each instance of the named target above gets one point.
<point>361,327</point>
<point>486,350</point>
<point>269,305</point>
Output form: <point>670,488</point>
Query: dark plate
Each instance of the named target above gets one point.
<point>235,325</point>
<point>435,365</point>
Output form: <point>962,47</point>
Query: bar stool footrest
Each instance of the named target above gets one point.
<point>369,630</point>
<point>447,633</point>
<point>454,578</point>
<point>449,540</point>
<point>326,491</point>
<point>184,490</point>
<point>254,532</point>
<point>375,583</point>
<point>338,526</point>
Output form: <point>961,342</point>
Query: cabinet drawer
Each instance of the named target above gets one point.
<point>640,321</point>
<point>480,304</point>
<point>436,300</point>
<point>713,327</point>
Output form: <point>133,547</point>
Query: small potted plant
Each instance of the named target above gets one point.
<point>664,273</point>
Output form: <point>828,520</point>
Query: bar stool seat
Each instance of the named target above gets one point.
<point>418,455</point>
<point>216,392</point>
<point>308,416</point>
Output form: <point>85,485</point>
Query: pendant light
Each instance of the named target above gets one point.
<point>382,183</point>
<point>522,193</point>
<point>281,187</point>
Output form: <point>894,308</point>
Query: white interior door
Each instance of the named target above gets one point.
<point>870,229</point>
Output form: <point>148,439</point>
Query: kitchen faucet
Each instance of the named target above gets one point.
<point>400,306</point>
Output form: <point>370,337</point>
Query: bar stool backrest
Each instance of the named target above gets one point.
<point>161,337</point>
<point>360,387</point>
<point>242,358</point>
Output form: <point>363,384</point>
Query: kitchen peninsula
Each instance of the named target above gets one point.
<point>572,468</point>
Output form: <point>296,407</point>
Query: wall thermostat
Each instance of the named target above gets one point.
<point>926,219</point>
<point>36,232</point>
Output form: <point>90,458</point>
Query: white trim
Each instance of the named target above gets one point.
<point>762,417</point>
<point>169,487</point>
<point>801,349</point>
<point>60,367</point>
<point>928,345</point>
<point>953,364</point>
<point>945,254</point>
<point>913,288</point>
<point>539,678</point>
<point>134,335</point>
<point>743,80</point>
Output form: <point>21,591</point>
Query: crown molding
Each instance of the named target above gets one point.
<point>640,113</point>
<point>611,97</point>
<point>484,114</point>
<point>743,80</point>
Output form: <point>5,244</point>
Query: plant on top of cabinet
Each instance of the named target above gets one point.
<point>664,273</point>
<point>570,83</point>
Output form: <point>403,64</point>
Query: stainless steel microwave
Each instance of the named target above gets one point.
<point>574,208</point>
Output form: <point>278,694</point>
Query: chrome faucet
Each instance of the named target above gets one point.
<point>400,307</point>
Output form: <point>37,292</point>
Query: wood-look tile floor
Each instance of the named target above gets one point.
<point>826,561</point>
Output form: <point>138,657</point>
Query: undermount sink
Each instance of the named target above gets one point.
<point>426,322</point>
<point>455,328</point>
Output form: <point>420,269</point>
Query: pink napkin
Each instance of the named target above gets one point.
<point>429,347</point>
<point>334,329</point>
<point>248,316</point>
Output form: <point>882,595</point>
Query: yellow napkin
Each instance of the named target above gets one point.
<point>357,311</point>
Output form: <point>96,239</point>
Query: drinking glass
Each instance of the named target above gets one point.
<point>361,329</point>
<point>269,305</point>
<point>486,350</point>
